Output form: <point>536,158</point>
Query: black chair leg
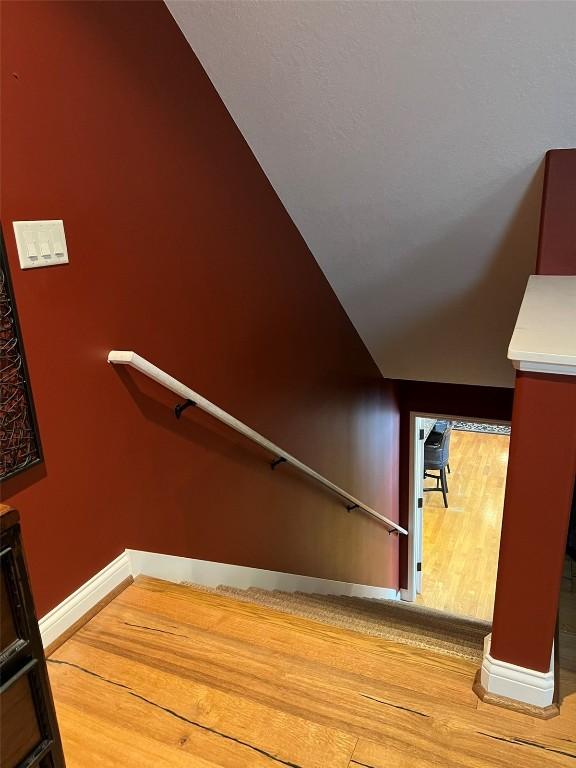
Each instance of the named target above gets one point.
<point>448,466</point>
<point>444,486</point>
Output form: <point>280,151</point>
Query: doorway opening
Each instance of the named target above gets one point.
<point>566,638</point>
<point>457,483</point>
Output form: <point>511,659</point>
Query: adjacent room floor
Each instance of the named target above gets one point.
<point>567,631</point>
<point>167,675</point>
<point>460,549</point>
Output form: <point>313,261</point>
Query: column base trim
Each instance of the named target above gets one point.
<point>543,713</point>
<point>514,687</point>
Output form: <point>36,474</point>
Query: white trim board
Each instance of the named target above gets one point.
<point>63,616</point>
<point>134,562</point>
<point>526,365</point>
<point>518,683</point>
<point>211,574</point>
<point>416,468</point>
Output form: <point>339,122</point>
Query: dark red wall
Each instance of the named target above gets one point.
<point>179,250</point>
<point>557,245</point>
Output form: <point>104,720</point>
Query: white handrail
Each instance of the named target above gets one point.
<point>158,375</point>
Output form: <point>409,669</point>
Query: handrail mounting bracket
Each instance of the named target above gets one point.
<point>191,398</point>
<point>179,409</point>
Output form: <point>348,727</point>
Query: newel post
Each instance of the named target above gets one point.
<point>518,665</point>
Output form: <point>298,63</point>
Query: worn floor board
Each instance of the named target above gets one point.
<point>168,675</point>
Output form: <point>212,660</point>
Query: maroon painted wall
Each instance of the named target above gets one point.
<point>557,245</point>
<point>180,250</point>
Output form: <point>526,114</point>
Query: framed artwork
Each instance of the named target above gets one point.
<point>19,441</point>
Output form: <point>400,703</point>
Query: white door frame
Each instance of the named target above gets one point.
<point>414,582</point>
<point>415,520</point>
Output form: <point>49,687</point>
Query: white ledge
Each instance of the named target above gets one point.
<point>544,339</point>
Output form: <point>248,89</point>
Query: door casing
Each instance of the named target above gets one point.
<point>416,480</point>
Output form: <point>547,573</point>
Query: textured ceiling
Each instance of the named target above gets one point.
<point>406,141</point>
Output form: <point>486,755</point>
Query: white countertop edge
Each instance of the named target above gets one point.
<point>544,338</point>
<point>543,367</point>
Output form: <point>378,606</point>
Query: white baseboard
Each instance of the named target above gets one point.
<point>210,574</point>
<point>518,683</point>
<point>134,562</point>
<point>76,605</point>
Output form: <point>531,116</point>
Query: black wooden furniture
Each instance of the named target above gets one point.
<point>437,457</point>
<point>28,729</point>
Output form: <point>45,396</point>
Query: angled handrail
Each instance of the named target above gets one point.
<point>193,398</point>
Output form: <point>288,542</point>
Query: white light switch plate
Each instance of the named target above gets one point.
<point>41,243</point>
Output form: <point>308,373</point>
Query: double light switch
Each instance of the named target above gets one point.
<point>40,243</point>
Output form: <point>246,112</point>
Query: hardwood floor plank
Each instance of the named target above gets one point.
<point>147,720</point>
<point>461,543</point>
<point>100,742</point>
<point>230,722</point>
<point>375,666</point>
<point>297,689</point>
<point>231,618</point>
<point>386,670</point>
<point>452,747</point>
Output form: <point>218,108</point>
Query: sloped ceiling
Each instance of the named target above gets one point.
<point>406,141</point>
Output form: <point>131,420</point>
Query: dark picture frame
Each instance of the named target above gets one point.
<point>20,446</point>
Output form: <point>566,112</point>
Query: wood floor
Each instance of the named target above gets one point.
<point>460,549</point>
<point>169,676</point>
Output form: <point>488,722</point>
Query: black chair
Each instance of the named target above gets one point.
<point>437,457</point>
<point>436,435</point>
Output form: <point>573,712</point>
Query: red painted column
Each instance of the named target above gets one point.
<point>539,487</point>
<point>557,245</point>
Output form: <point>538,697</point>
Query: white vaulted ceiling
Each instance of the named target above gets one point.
<point>406,141</point>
